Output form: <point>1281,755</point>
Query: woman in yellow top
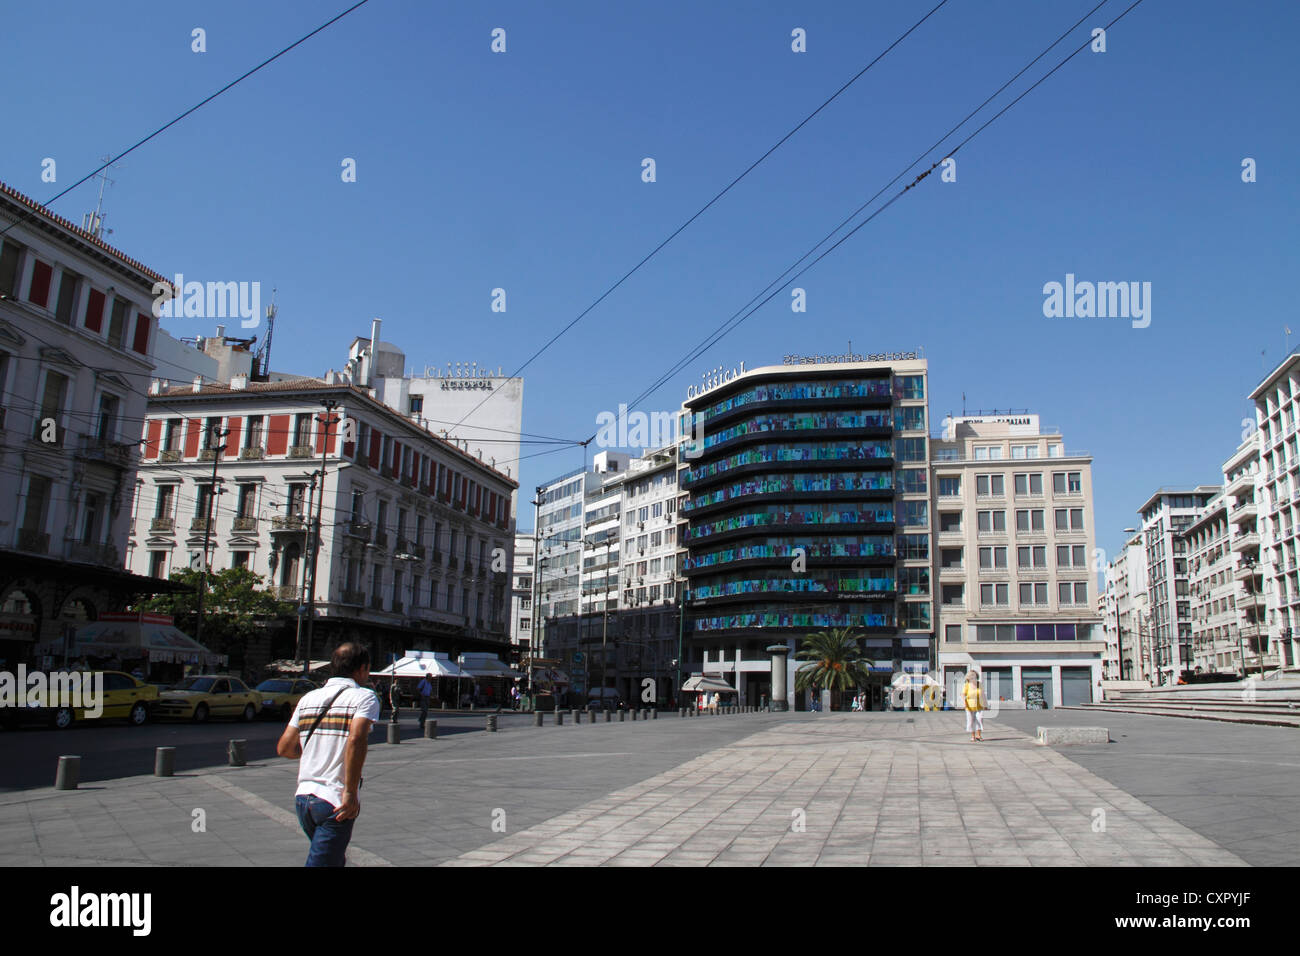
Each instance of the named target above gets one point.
<point>973,699</point>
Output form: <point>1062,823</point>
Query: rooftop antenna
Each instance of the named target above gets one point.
<point>963,403</point>
<point>262,360</point>
<point>93,222</point>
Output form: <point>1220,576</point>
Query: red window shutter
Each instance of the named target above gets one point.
<point>376,444</point>
<point>277,435</point>
<point>192,430</point>
<point>141,342</point>
<point>153,438</point>
<point>95,311</point>
<point>40,290</point>
<point>396,463</point>
<point>320,435</point>
<point>234,423</point>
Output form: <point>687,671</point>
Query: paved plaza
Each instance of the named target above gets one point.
<point>739,790</point>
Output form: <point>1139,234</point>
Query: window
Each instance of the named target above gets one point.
<point>239,559</point>
<point>1029,520</point>
<point>157,564</point>
<point>247,497</point>
<point>986,485</point>
<point>993,557</point>
<point>993,594</point>
<point>950,558</point>
<point>913,546</point>
<point>912,481</point>
<point>992,521</point>
<point>1069,519</point>
<point>91,519</point>
<point>949,522</point>
<point>988,452</point>
<point>1072,556</point>
<point>417,404</point>
<point>253,434</point>
<point>1032,594</point>
<point>1031,556</point>
<point>909,449</point>
<point>914,580</point>
<point>1029,483</point>
<point>56,388</point>
<point>995,632</point>
<point>949,487</point>
<point>117,324</point>
<point>916,614</point>
<point>8,268</point>
<point>909,418</point>
<point>952,633</point>
<point>166,501</point>
<point>106,427</point>
<point>1055,451</point>
<point>172,435</point>
<point>67,301</point>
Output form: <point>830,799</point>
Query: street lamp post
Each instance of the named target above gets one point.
<point>207,529</point>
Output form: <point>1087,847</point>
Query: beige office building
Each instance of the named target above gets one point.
<point>1212,591</point>
<point>1014,554</point>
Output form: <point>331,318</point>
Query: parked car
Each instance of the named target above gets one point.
<point>281,695</point>
<point>609,703</point>
<point>209,695</point>
<point>125,698</point>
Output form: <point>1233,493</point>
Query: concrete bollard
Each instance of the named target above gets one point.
<point>164,761</point>
<point>236,751</point>
<point>682,711</point>
<point>394,732</point>
<point>492,723</point>
<point>573,715</point>
<point>577,716</point>
<point>609,715</point>
<point>654,715</point>
<point>559,718</point>
<point>622,715</point>
<point>68,775</point>
<point>537,718</point>
<point>634,713</point>
<point>430,730</point>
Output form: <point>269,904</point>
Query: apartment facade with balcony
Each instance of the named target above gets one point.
<point>76,335</point>
<point>1015,544</point>
<point>521,595</point>
<point>1252,558</point>
<point>1127,619</point>
<point>415,546</point>
<point>1211,565</point>
<point>1166,516</point>
<point>1277,418</point>
<point>806,507</point>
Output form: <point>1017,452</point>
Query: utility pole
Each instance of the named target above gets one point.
<point>535,648</point>
<point>207,529</point>
<point>302,577</point>
<point>326,421</point>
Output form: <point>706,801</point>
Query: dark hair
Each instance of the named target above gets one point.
<point>349,658</point>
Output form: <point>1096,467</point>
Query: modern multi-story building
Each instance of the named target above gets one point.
<point>1127,620</point>
<point>1166,516</point>
<point>415,543</point>
<point>1215,646</point>
<point>1251,561</point>
<point>1277,417</point>
<point>1015,536</point>
<point>521,595</point>
<point>807,508</point>
<point>76,335</point>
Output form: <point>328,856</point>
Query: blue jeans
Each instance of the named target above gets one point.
<point>329,837</point>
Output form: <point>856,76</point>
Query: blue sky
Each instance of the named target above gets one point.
<point>522,170</point>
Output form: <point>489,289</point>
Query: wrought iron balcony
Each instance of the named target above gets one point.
<point>103,554</point>
<point>245,524</point>
<point>110,452</point>
<point>33,541</point>
<point>252,453</point>
<point>162,524</point>
<point>199,524</point>
<point>169,454</point>
<point>289,523</point>
<point>207,454</point>
<point>300,451</point>
<point>286,592</point>
<point>356,598</point>
<point>358,529</point>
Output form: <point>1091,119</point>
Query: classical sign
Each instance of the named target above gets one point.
<point>462,370</point>
<point>712,379</point>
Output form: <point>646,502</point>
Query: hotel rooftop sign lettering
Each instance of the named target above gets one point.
<point>850,357</point>
<point>712,379</point>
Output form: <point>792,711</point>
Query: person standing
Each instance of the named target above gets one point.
<point>337,719</point>
<point>973,699</point>
<point>395,698</point>
<point>426,690</point>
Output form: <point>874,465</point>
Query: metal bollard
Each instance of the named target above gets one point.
<point>236,750</point>
<point>164,761</point>
<point>492,723</point>
<point>68,775</point>
<point>431,730</point>
<point>654,714</point>
<point>622,715</point>
<point>683,710</point>
<point>537,718</point>
<point>609,715</point>
<point>634,713</point>
<point>559,718</point>
<point>394,732</point>
<point>573,715</point>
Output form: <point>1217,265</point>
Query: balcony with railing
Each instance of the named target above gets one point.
<point>162,525</point>
<point>198,524</point>
<point>293,523</point>
<point>300,451</point>
<point>286,592</point>
<point>252,453</point>
<point>244,523</point>
<point>168,455</point>
<point>381,540</point>
<point>358,529</point>
<point>118,454</point>
<point>101,554</point>
<point>354,598</point>
<point>376,602</point>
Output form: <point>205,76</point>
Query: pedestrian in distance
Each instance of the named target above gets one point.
<point>973,699</point>
<point>337,719</point>
<point>426,690</point>
<point>395,699</point>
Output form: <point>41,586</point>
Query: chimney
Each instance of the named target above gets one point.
<point>197,383</point>
<point>374,352</point>
<point>221,332</point>
<point>238,382</point>
<point>155,386</point>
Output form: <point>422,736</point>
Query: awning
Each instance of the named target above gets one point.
<point>132,639</point>
<point>295,667</point>
<point>697,683</point>
<point>422,664</point>
<point>485,665</point>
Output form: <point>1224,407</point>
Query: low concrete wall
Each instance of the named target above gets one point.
<point>1056,736</point>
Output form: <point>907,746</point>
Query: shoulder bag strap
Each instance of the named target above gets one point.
<point>321,716</point>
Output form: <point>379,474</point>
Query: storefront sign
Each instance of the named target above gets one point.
<point>712,379</point>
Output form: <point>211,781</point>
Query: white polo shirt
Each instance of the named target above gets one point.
<point>320,770</point>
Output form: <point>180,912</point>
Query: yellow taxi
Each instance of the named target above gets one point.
<point>280,695</point>
<point>209,695</point>
<point>124,697</point>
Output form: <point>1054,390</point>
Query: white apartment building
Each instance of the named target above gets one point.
<point>1166,515</point>
<point>415,542</point>
<point>1215,644</point>
<point>521,594</point>
<point>1252,562</point>
<point>76,335</point>
<point>1277,416</point>
<point>1015,538</point>
<point>1127,620</point>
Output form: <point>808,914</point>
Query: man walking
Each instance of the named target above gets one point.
<point>425,689</point>
<point>328,733</point>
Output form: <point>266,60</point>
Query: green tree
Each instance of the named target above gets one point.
<point>235,609</point>
<point>837,663</point>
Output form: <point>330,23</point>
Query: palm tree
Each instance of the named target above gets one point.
<point>837,663</point>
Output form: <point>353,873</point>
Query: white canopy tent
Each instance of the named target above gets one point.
<point>421,664</point>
